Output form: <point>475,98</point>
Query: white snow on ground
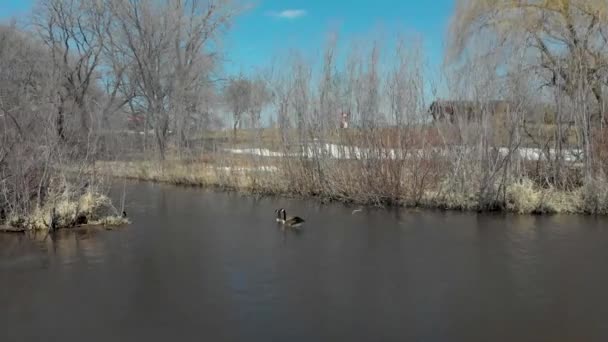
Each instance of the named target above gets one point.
<point>244,169</point>
<point>353,152</point>
<point>536,153</point>
<point>256,152</point>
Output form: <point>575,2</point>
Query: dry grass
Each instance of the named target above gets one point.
<point>523,197</point>
<point>237,176</point>
<point>111,222</point>
<point>91,208</point>
<point>359,182</point>
<point>540,135</point>
<point>595,196</point>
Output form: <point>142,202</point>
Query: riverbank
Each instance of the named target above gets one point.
<point>64,211</point>
<point>222,256</point>
<point>342,182</point>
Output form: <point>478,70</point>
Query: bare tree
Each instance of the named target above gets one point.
<point>329,88</point>
<point>169,43</point>
<point>259,97</point>
<point>301,94</point>
<point>27,139</point>
<point>74,32</point>
<point>237,97</point>
<point>565,42</point>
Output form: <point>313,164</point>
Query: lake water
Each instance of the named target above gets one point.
<point>198,265</point>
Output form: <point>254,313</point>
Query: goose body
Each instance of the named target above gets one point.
<point>292,221</point>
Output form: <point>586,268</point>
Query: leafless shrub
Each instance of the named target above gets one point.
<point>521,127</point>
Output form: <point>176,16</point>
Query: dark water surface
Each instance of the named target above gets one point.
<point>202,266</point>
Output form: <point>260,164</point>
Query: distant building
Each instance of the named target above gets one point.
<point>472,111</point>
<point>136,122</point>
<point>451,111</point>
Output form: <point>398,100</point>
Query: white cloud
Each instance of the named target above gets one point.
<point>289,14</point>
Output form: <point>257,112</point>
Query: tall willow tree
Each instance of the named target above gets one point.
<point>563,43</point>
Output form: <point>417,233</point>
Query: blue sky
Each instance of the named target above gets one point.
<point>14,8</point>
<point>273,27</point>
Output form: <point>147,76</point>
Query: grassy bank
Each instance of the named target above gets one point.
<point>66,211</point>
<point>419,183</point>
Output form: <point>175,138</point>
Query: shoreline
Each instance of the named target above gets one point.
<point>66,212</point>
<point>22,230</point>
<point>523,197</point>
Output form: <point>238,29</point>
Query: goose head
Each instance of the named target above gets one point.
<point>279,212</point>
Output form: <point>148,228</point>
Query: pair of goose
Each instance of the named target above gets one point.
<point>292,221</point>
<point>296,220</point>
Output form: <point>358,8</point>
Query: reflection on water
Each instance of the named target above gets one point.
<point>216,266</point>
<point>66,247</point>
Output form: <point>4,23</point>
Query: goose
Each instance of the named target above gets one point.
<point>278,212</point>
<point>290,221</point>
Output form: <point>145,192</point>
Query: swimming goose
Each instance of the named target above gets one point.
<point>290,221</point>
<point>278,212</point>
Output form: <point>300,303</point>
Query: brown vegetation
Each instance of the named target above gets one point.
<point>529,78</point>
<point>70,82</point>
<point>524,142</point>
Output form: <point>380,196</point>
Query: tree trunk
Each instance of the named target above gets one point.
<point>235,127</point>
<point>559,148</point>
<point>160,131</point>
<point>160,140</point>
<point>597,92</point>
<point>84,117</point>
<point>60,121</point>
